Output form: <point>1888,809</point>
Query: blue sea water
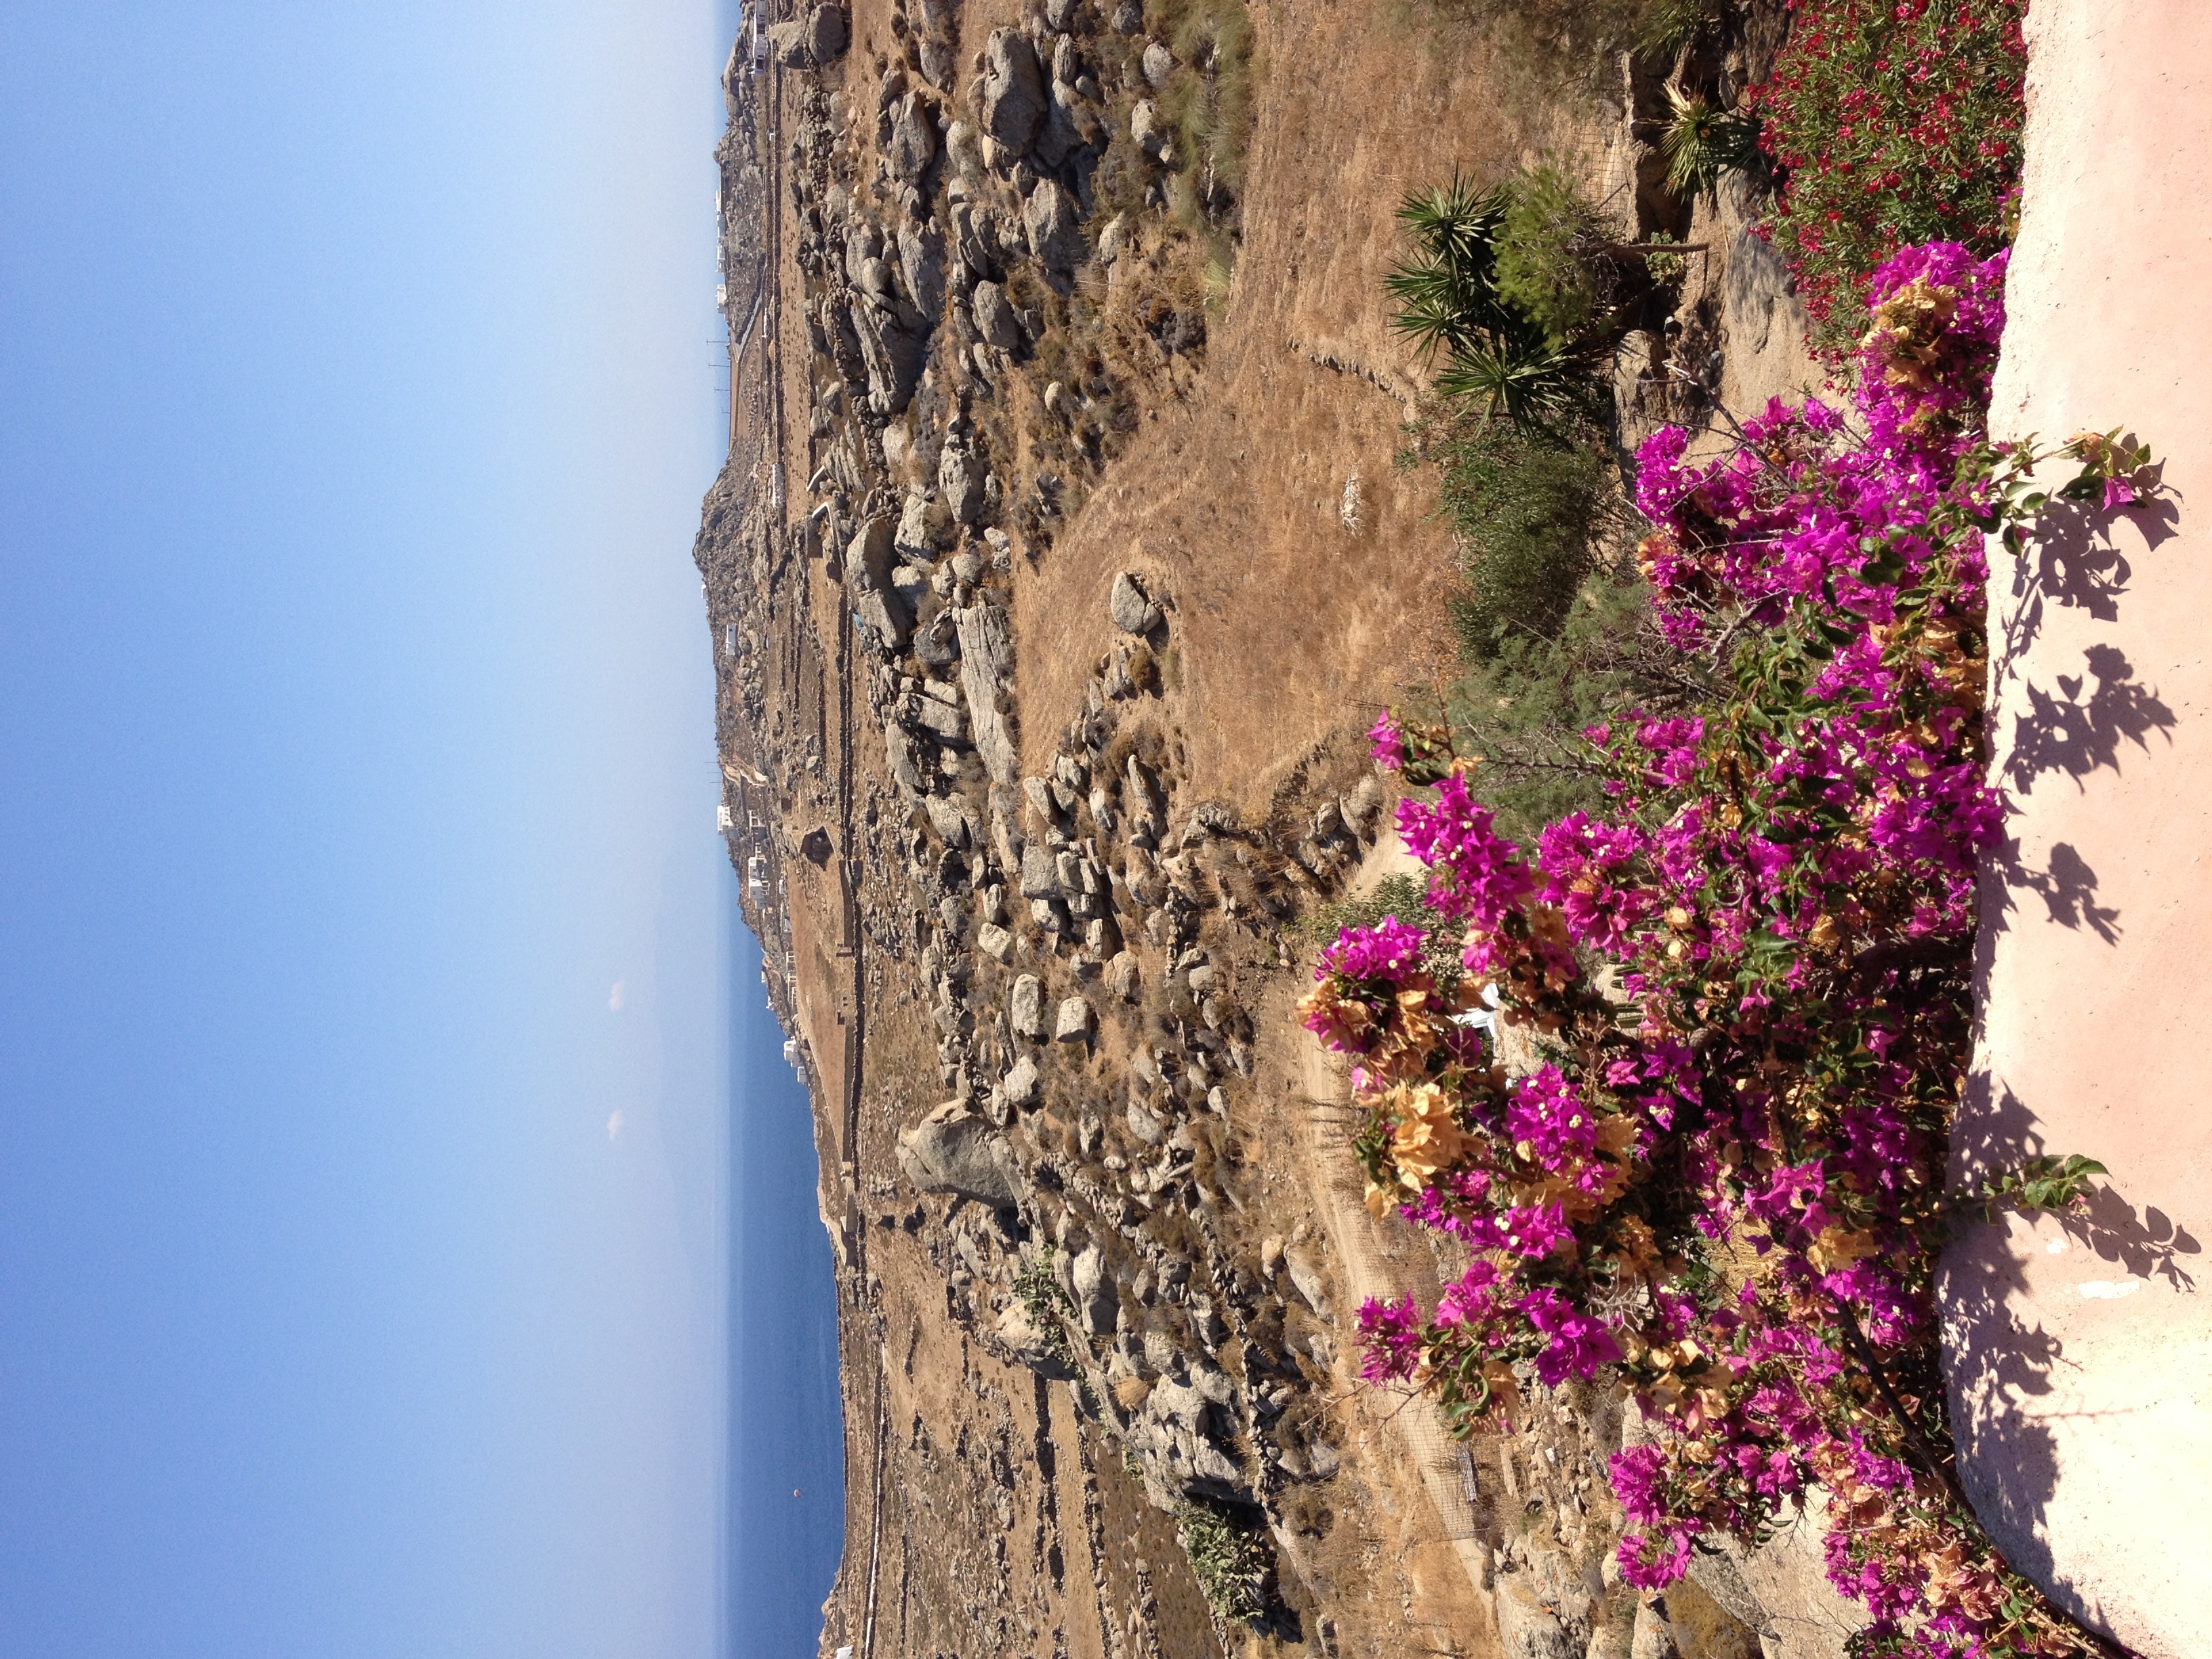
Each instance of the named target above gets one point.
<point>786,1449</point>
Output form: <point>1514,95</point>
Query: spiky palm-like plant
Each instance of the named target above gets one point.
<point>1701,142</point>
<point>1496,357</point>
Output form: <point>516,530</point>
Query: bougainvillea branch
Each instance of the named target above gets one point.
<point>1719,1168</point>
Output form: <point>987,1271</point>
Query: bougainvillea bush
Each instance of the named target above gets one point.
<point>1892,123</point>
<point>1744,984</point>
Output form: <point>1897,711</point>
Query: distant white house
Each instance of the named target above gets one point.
<point>723,821</point>
<point>756,873</point>
<point>730,640</point>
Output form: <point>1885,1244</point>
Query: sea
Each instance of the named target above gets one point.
<point>786,1505</point>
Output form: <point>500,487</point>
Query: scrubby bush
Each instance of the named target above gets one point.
<point>1551,266</point>
<point>1528,510</point>
<point>1893,122</point>
<point>1229,1556</point>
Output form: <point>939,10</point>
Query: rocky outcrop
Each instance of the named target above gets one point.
<point>954,1150</point>
<point>1131,606</point>
<point>1012,92</point>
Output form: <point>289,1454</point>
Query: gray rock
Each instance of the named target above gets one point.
<point>1132,609</point>
<point>987,663</point>
<point>960,485</point>
<point>1019,1334</point>
<point>826,34</point>
<point>1068,126</point>
<point>995,322</point>
<point>1020,1087</point>
<point>1072,1023</point>
<point>913,144</point>
<point>921,262</point>
<point>1159,64</point>
<point>942,720</point>
<point>787,44</point>
<point>945,817</point>
<point>1040,877</point>
<point>953,1150</point>
<point>1025,1008</point>
<point>1055,223</point>
<point>1145,1124</point>
<point>1097,1306</point>
<point>995,942</point>
<point>1013,90</point>
<point>887,619</point>
<point>1122,976</point>
<point>1147,130</point>
<point>975,238</point>
<point>1304,1269</point>
<point>915,534</point>
<point>899,749</point>
<point>1128,18</point>
<point>1652,1639</point>
<point>1060,15</point>
<point>868,556</point>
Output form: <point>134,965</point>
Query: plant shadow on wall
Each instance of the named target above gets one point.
<point>2082,723</point>
<point>1998,1356</point>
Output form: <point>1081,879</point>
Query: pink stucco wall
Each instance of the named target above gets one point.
<point>2080,1351</point>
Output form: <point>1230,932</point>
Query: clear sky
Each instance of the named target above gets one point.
<point>362,982</point>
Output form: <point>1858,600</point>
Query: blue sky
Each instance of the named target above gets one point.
<point>361,1247</point>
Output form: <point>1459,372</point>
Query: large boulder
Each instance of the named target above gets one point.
<point>826,34</point>
<point>813,41</point>
<point>1040,875</point>
<point>986,665</point>
<point>1032,1346</point>
<point>955,1150</point>
<point>1014,90</point>
<point>913,144</point>
<point>960,484</point>
<point>921,262</point>
<point>1072,1023</point>
<point>868,556</point>
<point>1054,222</point>
<point>1098,1299</point>
<point>1025,1008</point>
<point>885,615</point>
<point>995,321</point>
<point>1132,610</point>
<point>1149,131</point>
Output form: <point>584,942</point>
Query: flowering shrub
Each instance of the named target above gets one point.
<point>1725,1177</point>
<point>1893,122</point>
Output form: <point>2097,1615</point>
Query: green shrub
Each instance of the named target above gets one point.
<point>1667,26</point>
<point>1520,708</point>
<point>1229,1556</point>
<point>1499,359</point>
<point>1528,507</point>
<point>1046,1304</point>
<point>1550,263</point>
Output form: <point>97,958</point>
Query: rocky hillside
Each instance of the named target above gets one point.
<point>1029,904</point>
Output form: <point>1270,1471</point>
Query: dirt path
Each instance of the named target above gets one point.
<point>1371,1262</point>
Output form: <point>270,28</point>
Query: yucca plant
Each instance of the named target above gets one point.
<point>1498,358</point>
<point>1703,141</point>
